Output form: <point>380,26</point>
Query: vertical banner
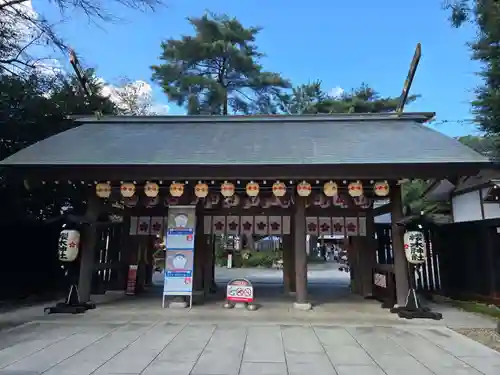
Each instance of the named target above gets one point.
<point>275,225</point>
<point>179,258</point>
<point>325,226</point>
<point>351,226</point>
<point>312,226</point>
<point>338,225</point>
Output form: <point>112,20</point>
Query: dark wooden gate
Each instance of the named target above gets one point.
<point>428,277</point>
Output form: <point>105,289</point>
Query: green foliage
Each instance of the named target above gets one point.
<point>217,70</point>
<point>485,49</point>
<point>310,98</point>
<point>414,202</point>
<point>487,146</point>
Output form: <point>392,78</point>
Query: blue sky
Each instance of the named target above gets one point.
<point>338,42</point>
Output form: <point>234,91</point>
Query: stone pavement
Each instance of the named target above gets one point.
<point>198,348</point>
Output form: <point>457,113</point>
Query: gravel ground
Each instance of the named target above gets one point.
<point>485,336</point>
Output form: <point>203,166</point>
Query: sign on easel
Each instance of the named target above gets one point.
<point>179,259</point>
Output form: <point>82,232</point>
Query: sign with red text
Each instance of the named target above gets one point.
<point>239,290</point>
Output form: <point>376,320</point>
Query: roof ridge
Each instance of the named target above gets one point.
<point>337,117</point>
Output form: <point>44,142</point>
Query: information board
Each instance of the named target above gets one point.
<point>179,259</point>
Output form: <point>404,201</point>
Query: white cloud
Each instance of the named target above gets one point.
<point>336,92</point>
<point>133,97</point>
<point>13,15</point>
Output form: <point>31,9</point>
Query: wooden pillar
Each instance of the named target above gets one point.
<point>207,265</point>
<point>299,230</point>
<point>368,256</point>
<point>199,251</point>
<point>87,256</point>
<point>288,264</point>
<point>400,263</point>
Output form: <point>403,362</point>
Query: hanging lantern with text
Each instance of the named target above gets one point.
<point>381,188</point>
<point>252,189</point>
<point>279,189</point>
<point>69,243</point>
<point>127,189</point>
<point>415,247</point>
<point>227,189</point>
<point>355,189</point>
<point>201,190</point>
<point>103,190</point>
<point>330,189</point>
<point>151,189</point>
<point>176,189</point>
<point>304,189</point>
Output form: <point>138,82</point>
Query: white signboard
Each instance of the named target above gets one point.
<point>179,256</point>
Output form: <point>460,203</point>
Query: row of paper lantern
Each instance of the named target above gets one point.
<point>227,189</point>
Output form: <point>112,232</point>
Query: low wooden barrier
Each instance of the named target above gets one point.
<point>384,287</point>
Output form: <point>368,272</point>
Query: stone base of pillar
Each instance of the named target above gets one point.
<point>302,306</point>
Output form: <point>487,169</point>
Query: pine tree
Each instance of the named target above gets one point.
<point>217,71</point>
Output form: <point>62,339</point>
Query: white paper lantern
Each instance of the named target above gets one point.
<point>355,189</point>
<point>279,189</point>
<point>69,243</point>
<point>201,190</point>
<point>330,189</point>
<point>415,247</point>
<point>252,189</point>
<point>151,189</point>
<point>103,190</point>
<point>176,189</point>
<point>127,189</point>
<point>381,188</point>
<point>304,189</point>
<point>227,189</point>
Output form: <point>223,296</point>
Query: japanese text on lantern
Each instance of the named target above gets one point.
<point>63,245</point>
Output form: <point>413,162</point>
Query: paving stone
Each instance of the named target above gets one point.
<point>52,355</point>
<point>188,344</point>
<point>169,367</point>
<point>264,344</point>
<point>359,370</point>
<point>263,368</point>
<point>301,339</point>
<point>487,365</point>
<point>142,351</point>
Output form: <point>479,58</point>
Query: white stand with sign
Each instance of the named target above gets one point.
<point>179,258</point>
